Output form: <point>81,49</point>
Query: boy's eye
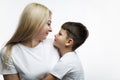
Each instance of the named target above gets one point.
<point>60,33</point>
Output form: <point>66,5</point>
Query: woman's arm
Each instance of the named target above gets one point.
<point>50,77</point>
<point>11,77</point>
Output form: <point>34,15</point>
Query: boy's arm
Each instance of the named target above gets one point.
<point>11,77</point>
<point>50,77</point>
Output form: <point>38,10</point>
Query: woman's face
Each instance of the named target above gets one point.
<point>44,31</point>
<point>60,39</point>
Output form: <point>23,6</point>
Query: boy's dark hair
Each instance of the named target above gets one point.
<point>77,31</point>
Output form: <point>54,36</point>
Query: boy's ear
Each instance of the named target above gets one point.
<point>69,42</point>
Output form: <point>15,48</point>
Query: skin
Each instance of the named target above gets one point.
<point>50,77</point>
<point>44,32</point>
<point>11,77</point>
<point>32,43</point>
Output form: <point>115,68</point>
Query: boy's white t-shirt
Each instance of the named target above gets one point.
<point>30,63</point>
<point>68,68</point>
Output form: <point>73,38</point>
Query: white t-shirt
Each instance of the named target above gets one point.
<point>30,63</point>
<point>68,68</point>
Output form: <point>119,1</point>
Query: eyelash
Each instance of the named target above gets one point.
<point>49,24</point>
<point>60,34</point>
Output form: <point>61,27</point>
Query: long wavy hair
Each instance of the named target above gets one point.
<point>33,18</point>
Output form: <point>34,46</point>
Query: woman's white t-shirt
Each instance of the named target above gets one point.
<point>30,63</point>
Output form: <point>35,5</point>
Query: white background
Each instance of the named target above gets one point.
<point>100,54</point>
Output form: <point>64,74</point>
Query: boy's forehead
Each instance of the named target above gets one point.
<point>63,30</point>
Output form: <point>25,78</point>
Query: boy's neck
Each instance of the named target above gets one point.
<point>62,52</point>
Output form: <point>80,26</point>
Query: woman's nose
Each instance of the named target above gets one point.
<point>50,29</point>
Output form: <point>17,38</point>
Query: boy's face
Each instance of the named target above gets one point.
<point>60,39</point>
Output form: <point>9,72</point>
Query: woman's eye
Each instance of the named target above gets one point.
<point>49,24</point>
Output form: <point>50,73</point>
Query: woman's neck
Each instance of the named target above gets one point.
<point>31,43</point>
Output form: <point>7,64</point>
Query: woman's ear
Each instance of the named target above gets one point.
<point>69,42</point>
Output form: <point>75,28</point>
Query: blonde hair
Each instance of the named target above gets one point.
<point>33,18</point>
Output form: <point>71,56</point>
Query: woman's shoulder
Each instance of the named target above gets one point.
<point>2,51</point>
<point>48,41</point>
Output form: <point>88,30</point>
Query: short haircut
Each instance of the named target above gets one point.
<point>77,31</point>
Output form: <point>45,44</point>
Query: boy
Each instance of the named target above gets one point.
<point>70,37</point>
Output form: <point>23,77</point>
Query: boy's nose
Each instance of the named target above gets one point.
<point>55,35</point>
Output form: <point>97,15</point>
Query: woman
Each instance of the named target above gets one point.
<point>28,55</point>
